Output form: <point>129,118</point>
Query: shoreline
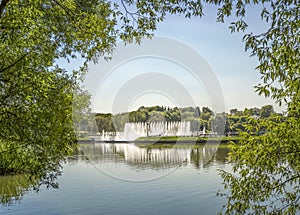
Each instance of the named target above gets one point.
<point>170,140</point>
<point>185,140</point>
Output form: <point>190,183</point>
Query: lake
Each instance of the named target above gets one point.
<point>114,179</point>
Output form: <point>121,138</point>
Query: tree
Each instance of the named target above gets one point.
<point>254,111</point>
<point>197,112</point>
<point>174,115</point>
<point>266,171</point>
<point>219,124</point>
<point>137,116</point>
<point>233,111</point>
<point>119,121</point>
<point>83,120</point>
<point>36,129</point>
<point>186,116</point>
<point>36,95</point>
<point>156,116</point>
<point>206,113</point>
<point>266,111</point>
<point>105,122</point>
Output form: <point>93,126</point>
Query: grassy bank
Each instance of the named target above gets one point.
<point>191,140</point>
<point>180,145</point>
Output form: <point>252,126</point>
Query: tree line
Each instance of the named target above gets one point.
<point>201,118</point>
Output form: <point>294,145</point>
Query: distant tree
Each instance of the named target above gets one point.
<point>186,116</point>
<point>246,111</point>
<point>207,110</point>
<point>156,116</point>
<point>205,124</point>
<point>266,111</point>
<point>105,123</point>
<point>195,125</point>
<point>234,119</point>
<point>254,111</point>
<point>233,111</point>
<point>219,124</point>
<point>206,113</point>
<point>142,108</point>
<point>82,118</point>
<point>119,121</point>
<point>197,112</point>
<point>137,116</point>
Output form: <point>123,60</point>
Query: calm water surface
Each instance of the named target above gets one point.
<point>127,179</point>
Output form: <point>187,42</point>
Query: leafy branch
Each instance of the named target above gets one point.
<point>2,6</point>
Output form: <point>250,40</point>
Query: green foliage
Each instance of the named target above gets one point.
<point>266,111</point>
<point>83,120</point>
<point>105,123</point>
<point>268,169</point>
<point>266,176</point>
<point>221,123</point>
<point>190,139</point>
<point>35,127</point>
<point>119,121</point>
<point>206,114</point>
<point>36,96</point>
<point>138,116</point>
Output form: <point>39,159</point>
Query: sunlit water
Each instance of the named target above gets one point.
<point>127,179</point>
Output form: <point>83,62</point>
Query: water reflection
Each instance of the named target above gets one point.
<point>13,187</point>
<point>132,162</point>
<point>125,161</point>
<point>163,156</point>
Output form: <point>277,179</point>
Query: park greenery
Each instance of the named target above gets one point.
<point>36,93</point>
<point>235,121</point>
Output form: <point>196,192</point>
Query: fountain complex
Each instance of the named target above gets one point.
<point>132,131</point>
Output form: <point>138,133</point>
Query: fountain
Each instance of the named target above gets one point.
<point>134,130</point>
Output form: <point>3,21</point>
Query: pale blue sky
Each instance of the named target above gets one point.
<point>222,50</point>
<point>225,53</point>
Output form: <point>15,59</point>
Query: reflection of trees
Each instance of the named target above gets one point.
<point>13,187</point>
<point>207,155</point>
<point>157,157</point>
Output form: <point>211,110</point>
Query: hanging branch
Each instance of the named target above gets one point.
<point>17,61</point>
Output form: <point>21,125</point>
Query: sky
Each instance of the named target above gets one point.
<point>194,62</point>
